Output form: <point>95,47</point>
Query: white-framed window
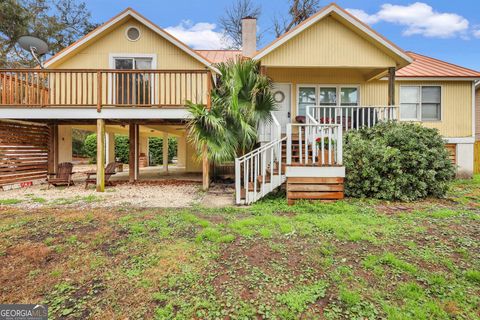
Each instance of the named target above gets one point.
<point>327,95</point>
<point>421,103</point>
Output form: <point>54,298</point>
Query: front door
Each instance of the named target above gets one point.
<point>281,95</point>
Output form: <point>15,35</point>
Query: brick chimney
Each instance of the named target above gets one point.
<point>249,36</point>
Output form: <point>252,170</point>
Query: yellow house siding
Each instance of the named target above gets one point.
<point>97,54</point>
<point>328,43</point>
<point>456,95</point>
<point>169,88</point>
<point>477,114</point>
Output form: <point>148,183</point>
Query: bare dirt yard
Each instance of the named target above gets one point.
<point>110,258</point>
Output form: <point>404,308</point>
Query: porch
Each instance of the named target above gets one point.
<point>99,99</point>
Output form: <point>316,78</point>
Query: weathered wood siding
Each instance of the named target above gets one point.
<point>23,152</point>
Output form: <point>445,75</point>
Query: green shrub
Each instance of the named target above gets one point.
<point>122,148</point>
<point>90,147</point>
<point>396,161</point>
<point>155,146</point>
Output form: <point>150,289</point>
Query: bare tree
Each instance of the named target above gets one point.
<point>231,22</point>
<point>59,22</point>
<point>299,11</point>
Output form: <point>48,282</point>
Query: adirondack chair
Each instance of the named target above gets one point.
<point>109,171</point>
<point>63,176</point>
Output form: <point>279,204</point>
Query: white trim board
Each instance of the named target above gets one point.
<point>332,8</point>
<point>144,21</point>
<point>91,113</point>
<point>464,140</point>
<point>314,172</point>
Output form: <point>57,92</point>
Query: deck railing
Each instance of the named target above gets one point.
<point>314,144</point>
<point>102,88</point>
<point>351,117</point>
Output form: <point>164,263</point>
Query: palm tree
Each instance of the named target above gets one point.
<point>241,100</point>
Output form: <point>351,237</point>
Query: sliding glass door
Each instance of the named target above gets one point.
<point>133,88</point>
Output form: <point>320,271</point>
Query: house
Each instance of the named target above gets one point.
<point>331,73</point>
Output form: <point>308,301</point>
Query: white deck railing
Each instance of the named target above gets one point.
<point>316,144</point>
<point>259,172</point>
<point>351,117</point>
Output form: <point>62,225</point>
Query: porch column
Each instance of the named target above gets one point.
<point>391,86</point>
<point>53,148</point>
<point>110,147</point>
<point>100,155</point>
<point>205,162</point>
<point>133,152</point>
<point>165,152</point>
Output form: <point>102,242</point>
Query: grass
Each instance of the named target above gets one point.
<point>354,259</point>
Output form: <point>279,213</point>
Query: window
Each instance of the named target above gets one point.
<point>132,33</point>
<point>420,103</point>
<point>306,97</point>
<point>327,96</point>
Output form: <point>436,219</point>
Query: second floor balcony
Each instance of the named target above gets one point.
<point>105,88</point>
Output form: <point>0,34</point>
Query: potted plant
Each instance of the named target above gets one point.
<point>328,148</point>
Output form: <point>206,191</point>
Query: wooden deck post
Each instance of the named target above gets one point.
<point>99,91</point>
<point>165,152</point>
<point>132,140</point>
<point>100,155</point>
<point>391,86</point>
<point>205,162</point>
<point>53,148</point>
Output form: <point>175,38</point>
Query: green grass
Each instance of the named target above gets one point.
<point>10,201</point>
<point>353,259</point>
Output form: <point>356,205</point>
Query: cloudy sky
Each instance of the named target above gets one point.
<point>444,29</point>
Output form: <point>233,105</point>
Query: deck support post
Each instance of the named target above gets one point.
<point>205,169</point>
<point>165,152</point>
<point>53,148</point>
<point>100,155</point>
<point>391,86</point>
<point>205,162</point>
<point>133,163</point>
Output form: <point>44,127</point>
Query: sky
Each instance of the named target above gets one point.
<point>444,29</point>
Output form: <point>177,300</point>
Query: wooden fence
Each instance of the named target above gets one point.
<point>23,152</point>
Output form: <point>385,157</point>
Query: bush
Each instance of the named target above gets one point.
<point>90,147</point>
<point>396,161</point>
<point>156,150</point>
<point>122,148</point>
<point>155,146</point>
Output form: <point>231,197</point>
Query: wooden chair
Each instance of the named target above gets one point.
<point>63,176</point>
<point>109,171</point>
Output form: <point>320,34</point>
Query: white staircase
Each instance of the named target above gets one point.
<point>309,150</point>
<point>260,171</point>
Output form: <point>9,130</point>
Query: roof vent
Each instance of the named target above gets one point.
<point>132,33</point>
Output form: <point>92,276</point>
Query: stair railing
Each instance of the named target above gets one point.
<point>259,172</point>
